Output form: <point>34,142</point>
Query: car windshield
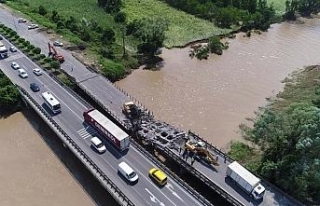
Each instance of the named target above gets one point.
<point>132,174</point>
<point>56,107</point>
<point>100,144</point>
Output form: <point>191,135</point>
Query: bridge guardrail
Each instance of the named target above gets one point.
<point>125,199</point>
<point>203,178</point>
<point>182,183</point>
<point>229,159</point>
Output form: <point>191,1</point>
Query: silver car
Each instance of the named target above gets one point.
<point>23,73</point>
<point>15,65</point>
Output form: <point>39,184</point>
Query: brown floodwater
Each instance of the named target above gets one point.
<point>36,170</point>
<point>212,97</point>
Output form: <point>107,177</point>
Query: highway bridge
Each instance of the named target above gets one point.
<point>111,99</point>
<point>70,127</point>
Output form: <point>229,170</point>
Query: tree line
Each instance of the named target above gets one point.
<point>285,139</point>
<point>9,95</point>
<point>304,7</point>
<point>249,14</point>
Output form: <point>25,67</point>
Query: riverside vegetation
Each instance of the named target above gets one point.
<point>284,139</point>
<point>120,35</point>
<point>284,142</point>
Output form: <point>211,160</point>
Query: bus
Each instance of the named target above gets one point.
<point>108,129</point>
<point>51,102</point>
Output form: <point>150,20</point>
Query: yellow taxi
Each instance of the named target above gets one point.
<point>158,176</point>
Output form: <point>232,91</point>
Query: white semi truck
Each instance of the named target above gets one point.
<point>245,180</point>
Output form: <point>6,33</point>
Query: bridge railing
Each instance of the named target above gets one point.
<point>203,178</point>
<point>229,159</point>
<point>82,154</point>
<point>182,183</point>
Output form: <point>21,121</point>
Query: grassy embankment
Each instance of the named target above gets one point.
<point>183,28</point>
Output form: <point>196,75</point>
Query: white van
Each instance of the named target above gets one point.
<point>98,145</point>
<point>127,172</point>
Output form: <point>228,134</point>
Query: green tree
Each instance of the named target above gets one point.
<point>42,11</point>
<point>290,142</point>
<point>152,33</point>
<point>108,36</point>
<point>215,45</point>
<point>112,6</point>
<point>37,50</point>
<point>120,17</point>
<point>55,65</point>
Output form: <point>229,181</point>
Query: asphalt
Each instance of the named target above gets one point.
<point>145,191</point>
<point>112,98</point>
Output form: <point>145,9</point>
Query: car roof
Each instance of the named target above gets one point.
<point>21,70</point>
<point>160,174</point>
<point>96,140</point>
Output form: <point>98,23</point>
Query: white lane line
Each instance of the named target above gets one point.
<point>172,181</point>
<point>151,183</point>
<point>79,117</point>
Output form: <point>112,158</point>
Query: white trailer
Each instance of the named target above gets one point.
<point>246,180</point>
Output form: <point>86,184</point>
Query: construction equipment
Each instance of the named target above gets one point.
<point>201,151</point>
<point>130,109</point>
<point>55,55</point>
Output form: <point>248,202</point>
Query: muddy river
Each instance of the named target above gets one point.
<point>36,170</point>
<point>212,97</point>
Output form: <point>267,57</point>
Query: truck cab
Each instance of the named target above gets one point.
<point>258,192</point>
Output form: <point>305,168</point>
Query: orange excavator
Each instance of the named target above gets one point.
<point>201,151</point>
<point>55,55</point>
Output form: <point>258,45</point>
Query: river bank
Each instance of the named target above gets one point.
<point>37,170</point>
<point>213,97</point>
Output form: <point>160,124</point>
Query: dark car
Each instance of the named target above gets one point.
<point>34,87</point>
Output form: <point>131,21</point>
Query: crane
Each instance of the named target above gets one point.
<point>54,53</point>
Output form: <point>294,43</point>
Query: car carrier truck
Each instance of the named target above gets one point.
<point>108,129</point>
<point>245,180</point>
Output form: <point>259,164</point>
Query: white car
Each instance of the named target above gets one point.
<point>15,65</point>
<point>22,73</point>
<point>33,26</point>
<point>57,43</point>
<point>37,71</point>
<point>13,49</point>
<point>98,145</point>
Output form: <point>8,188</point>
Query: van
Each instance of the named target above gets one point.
<point>98,145</point>
<point>125,170</point>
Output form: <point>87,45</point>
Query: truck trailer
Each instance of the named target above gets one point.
<point>245,180</point>
<point>107,129</point>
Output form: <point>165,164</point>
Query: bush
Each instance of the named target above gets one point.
<point>21,40</point>
<point>42,11</point>
<point>120,17</point>
<point>31,47</point>
<point>107,52</point>
<point>60,25</point>
<point>37,50</point>
<point>42,56</point>
<point>112,70</point>
<point>48,60</point>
